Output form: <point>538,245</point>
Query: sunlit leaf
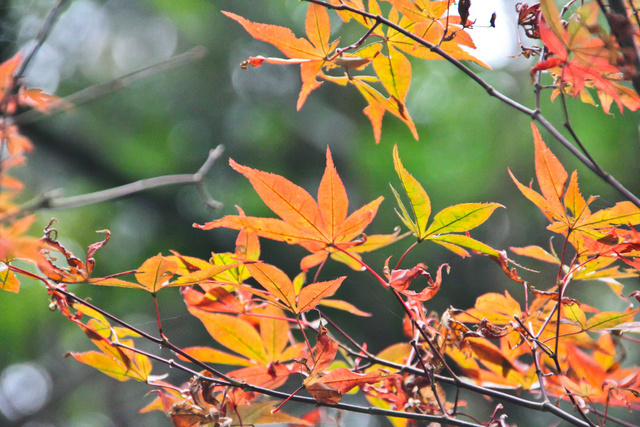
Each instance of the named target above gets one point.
<point>211,355</point>
<point>275,281</point>
<point>155,273</point>
<point>314,293</point>
<point>575,314</point>
<point>609,319</point>
<point>263,412</point>
<point>343,380</point>
<point>461,218</point>
<point>420,203</point>
<point>344,306</point>
<point>274,331</point>
<point>536,252</point>
<point>236,334</point>
<point>322,228</point>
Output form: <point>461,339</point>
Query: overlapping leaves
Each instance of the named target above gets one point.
<point>565,207</point>
<point>312,54</point>
<point>583,56</point>
<point>430,21</point>
<point>153,275</point>
<point>119,362</point>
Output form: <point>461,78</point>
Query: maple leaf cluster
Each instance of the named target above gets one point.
<point>268,330</point>
<point>558,331</point>
<point>580,54</point>
<point>430,21</point>
<point>249,307</point>
<point>258,316</point>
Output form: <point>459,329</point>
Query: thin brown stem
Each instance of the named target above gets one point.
<point>343,333</point>
<point>363,264</point>
<point>524,403</point>
<point>409,249</point>
<point>306,340</point>
<point>539,373</point>
<point>534,338</point>
<point>308,400</point>
<point>42,36</point>
<point>155,303</point>
<point>163,342</point>
<point>454,378</point>
<point>613,419</point>
<point>574,135</point>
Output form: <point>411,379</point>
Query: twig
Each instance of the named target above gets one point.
<point>50,200</point>
<point>613,419</point>
<point>49,22</point>
<point>430,375</point>
<point>524,403</point>
<point>343,333</point>
<point>542,406</point>
<point>635,13</point>
<point>567,125</point>
<point>12,86</point>
<point>456,381</point>
<point>161,341</point>
<point>96,91</point>
<point>545,406</point>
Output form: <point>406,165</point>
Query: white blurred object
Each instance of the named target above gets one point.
<point>24,389</point>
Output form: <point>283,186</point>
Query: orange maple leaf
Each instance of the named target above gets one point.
<point>13,94</point>
<point>311,54</point>
<point>114,360</point>
<point>566,209</point>
<point>14,244</point>
<point>431,21</point>
<point>316,55</point>
<point>321,227</point>
<point>581,60</point>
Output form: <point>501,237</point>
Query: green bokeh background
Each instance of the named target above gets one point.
<point>167,122</point>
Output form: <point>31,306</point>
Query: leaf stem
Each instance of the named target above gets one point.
<point>343,333</point>
<point>409,249</point>
<point>155,303</point>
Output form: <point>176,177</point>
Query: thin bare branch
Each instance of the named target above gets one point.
<point>101,89</point>
<point>49,22</point>
<point>574,135</point>
<point>51,200</point>
<point>230,382</point>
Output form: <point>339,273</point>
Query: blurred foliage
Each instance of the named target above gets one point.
<point>167,122</point>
